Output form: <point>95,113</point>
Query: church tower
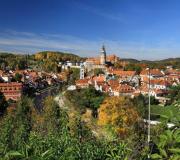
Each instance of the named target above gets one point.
<point>103,56</point>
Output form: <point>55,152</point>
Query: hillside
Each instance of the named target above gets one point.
<point>57,56</point>
<point>175,62</point>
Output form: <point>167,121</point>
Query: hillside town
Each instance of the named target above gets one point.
<point>111,80</point>
<point>89,80</point>
<point>65,101</point>
<point>116,81</point>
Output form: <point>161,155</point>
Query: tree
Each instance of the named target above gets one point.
<point>3,103</point>
<point>98,71</point>
<point>119,113</point>
<point>86,98</point>
<point>133,67</point>
<point>74,75</point>
<point>174,93</point>
<point>16,125</point>
<point>167,145</point>
<point>55,119</point>
<point>18,77</point>
<point>141,105</point>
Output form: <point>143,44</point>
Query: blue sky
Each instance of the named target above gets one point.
<point>141,29</point>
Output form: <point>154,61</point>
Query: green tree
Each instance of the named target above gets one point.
<point>174,93</point>
<point>18,77</point>
<point>168,146</point>
<point>74,75</point>
<point>86,98</point>
<point>16,126</point>
<point>55,119</point>
<point>98,71</point>
<point>3,103</point>
<point>133,67</point>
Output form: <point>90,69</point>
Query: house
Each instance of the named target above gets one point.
<point>113,82</point>
<point>122,89</point>
<point>173,76</point>
<point>82,83</point>
<point>11,90</point>
<point>159,84</point>
<point>145,74</point>
<point>122,75</point>
<point>71,88</point>
<point>99,78</point>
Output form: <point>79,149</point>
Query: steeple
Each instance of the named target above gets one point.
<point>103,55</point>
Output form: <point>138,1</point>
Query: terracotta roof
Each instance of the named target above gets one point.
<point>10,84</point>
<point>105,87</point>
<point>93,60</point>
<point>144,88</point>
<point>173,72</point>
<point>159,82</point>
<point>155,72</point>
<point>82,81</point>
<point>113,82</point>
<point>100,78</point>
<point>123,88</point>
<point>119,72</point>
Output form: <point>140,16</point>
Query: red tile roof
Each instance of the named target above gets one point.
<point>159,82</point>
<point>122,73</point>
<point>10,84</point>
<point>155,72</point>
<point>123,88</point>
<point>82,81</point>
<point>113,82</point>
<point>100,78</point>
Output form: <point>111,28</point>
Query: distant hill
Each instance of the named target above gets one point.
<point>171,60</point>
<point>131,60</point>
<point>57,56</point>
<point>175,62</point>
<point>63,56</point>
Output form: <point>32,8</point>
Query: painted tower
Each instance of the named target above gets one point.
<point>103,56</point>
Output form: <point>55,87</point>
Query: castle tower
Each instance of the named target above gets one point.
<point>103,56</point>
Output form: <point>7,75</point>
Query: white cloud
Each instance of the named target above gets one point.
<point>25,42</point>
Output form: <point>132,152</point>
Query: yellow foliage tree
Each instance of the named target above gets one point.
<point>119,113</point>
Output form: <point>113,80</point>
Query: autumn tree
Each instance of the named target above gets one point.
<point>119,113</point>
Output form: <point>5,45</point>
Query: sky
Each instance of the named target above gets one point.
<point>140,29</point>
